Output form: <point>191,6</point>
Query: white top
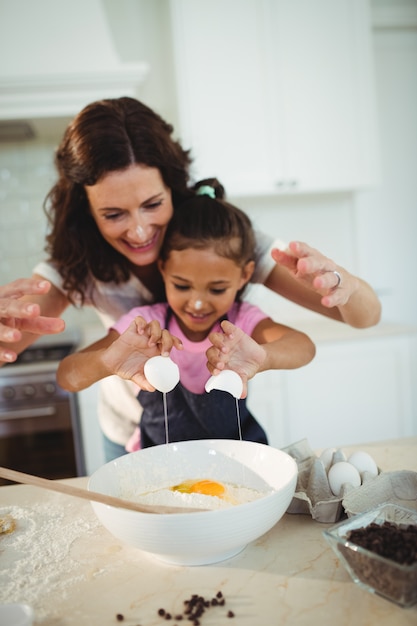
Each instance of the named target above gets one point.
<point>119,411</point>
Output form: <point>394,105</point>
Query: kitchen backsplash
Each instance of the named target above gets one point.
<point>26,175</point>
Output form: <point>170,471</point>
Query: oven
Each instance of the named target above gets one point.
<point>40,427</point>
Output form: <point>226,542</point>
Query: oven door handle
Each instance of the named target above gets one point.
<point>44,411</point>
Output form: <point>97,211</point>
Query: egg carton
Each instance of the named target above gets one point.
<point>313,495</point>
<point>398,488</point>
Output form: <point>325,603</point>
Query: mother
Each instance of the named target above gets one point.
<point>120,176</point>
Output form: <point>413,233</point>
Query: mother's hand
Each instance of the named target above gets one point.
<point>317,272</point>
<point>17,315</point>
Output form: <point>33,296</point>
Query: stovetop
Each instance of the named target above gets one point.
<point>47,349</point>
<point>42,354</point>
<point>31,379</point>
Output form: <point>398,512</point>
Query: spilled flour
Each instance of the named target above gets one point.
<point>35,559</point>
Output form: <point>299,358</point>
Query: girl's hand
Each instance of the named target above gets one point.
<point>233,349</point>
<point>127,355</point>
<point>317,272</point>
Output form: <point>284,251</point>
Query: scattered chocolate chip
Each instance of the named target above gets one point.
<point>230,614</point>
<point>120,617</point>
<point>194,608</point>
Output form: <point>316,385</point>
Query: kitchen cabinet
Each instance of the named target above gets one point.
<point>359,386</point>
<point>90,428</point>
<point>276,96</point>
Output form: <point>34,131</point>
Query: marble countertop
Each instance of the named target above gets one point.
<point>74,573</point>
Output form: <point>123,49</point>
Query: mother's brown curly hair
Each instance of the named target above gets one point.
<point>106,136</point>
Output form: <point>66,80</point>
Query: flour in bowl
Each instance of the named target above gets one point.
<point>198,493</point>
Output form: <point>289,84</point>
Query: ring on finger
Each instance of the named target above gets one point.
<point>339,279</point>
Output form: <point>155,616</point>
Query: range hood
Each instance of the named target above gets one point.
<point>58,56</point>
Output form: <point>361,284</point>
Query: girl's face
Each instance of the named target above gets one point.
<point>201,287</point>
<point>132,208</point>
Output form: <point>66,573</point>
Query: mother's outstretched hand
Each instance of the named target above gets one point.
<point>317,272</point>
<point>17,316</point>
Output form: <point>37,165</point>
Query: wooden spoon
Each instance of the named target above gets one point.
<point>70,490</point>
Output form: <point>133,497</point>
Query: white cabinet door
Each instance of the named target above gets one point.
<point>351,393</point>
<point>267,401</point>
<point>90,428</point>
<point>276,95</point>
<point>322,91</point>
<point>221,90</point>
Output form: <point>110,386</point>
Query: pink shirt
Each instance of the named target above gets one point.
<point>192,359</point>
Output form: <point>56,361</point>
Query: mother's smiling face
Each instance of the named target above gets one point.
<point>132,208</point>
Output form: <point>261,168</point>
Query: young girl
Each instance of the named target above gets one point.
<point>206,260</point>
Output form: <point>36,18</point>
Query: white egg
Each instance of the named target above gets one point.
<point>363,463</point>
<point>326,457</point>
<point>227,380</point>
<point>162,373</point>
<point>339,455</point>
<point>343,473</point>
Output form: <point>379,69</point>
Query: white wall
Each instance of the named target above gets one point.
<point>386,218</point>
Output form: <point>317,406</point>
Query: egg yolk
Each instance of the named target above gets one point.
<point>205,487</point>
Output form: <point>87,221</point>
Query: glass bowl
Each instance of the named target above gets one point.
<point>383,576</point>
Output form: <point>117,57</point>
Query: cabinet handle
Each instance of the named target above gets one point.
<point>288,184</point>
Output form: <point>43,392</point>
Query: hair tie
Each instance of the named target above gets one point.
<point>206,190</point>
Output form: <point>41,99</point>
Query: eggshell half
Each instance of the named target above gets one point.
<point>162,373</point>
<point>227,380</point>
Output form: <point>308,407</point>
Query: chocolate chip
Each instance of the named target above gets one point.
<point>194,608</point>
<point>395,543</point>
<point>388,540</point>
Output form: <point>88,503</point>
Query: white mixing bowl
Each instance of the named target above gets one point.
<point>203,537</point>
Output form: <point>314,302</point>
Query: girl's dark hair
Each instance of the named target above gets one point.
<point>203,222</point>
<point>105,136</point>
